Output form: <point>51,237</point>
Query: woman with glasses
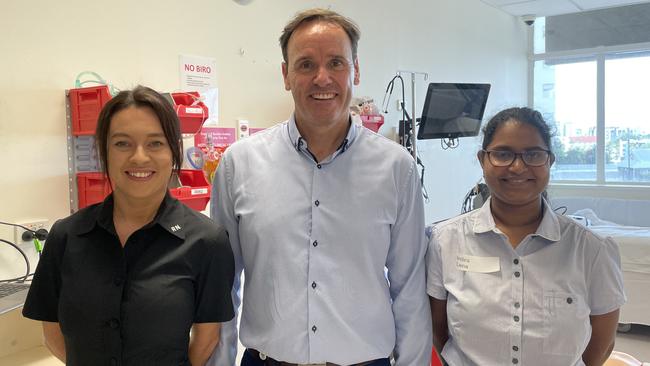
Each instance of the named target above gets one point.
<point>514,283</point>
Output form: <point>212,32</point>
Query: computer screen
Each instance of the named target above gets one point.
<point>453,110</point>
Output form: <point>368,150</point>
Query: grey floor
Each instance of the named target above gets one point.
<point>636,342</point>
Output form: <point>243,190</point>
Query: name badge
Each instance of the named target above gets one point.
<point>470,263</point>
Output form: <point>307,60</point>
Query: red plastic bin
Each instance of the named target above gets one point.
<point>190,110</point>
<point>91,188</point>
<point>194,191</point>
<point>85,105</point>
<point>372,122</point>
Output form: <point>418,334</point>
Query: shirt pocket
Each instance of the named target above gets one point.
<point>565,321</point>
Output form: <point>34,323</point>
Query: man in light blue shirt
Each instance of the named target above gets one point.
<point>316,208</point>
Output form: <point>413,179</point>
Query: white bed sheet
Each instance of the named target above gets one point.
<point>633,243</point>
<point>634,246</point>
<point>637,308</point>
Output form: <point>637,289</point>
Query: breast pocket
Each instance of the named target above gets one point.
<point>566,321</point>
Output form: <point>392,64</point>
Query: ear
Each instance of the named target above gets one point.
<point>551,160</point>
<point>285,76</point>
<point>356,71</point>
<point>480,155</point>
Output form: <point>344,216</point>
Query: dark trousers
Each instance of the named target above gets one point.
<point>248,359</point>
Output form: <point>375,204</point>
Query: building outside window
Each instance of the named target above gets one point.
<point>591,81</point>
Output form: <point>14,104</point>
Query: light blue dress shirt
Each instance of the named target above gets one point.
<point>314,239</point>
<point>534,308</point>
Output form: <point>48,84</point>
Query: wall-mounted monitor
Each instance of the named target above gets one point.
<point>453,110</point>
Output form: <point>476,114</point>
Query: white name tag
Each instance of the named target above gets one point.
<point>472,263</point>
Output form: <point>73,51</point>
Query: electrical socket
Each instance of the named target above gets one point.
<point>32,225</point>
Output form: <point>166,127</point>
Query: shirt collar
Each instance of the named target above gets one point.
<point>170,217</point>
<point>300,144</point>
<point>549,227</point>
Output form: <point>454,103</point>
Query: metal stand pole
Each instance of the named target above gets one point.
<point>413,74</point>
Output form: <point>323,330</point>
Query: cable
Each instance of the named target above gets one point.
<point>18,279</point>
<point>425,193</point>
<point>561,208</point>
<point>449,143</point>
<point>17,225</point>
<point>476,197</point>
<point>385,102</point>
<point>405,121</point>
<point>24,256</point>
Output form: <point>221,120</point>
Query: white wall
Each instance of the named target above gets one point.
<point>45,44</point>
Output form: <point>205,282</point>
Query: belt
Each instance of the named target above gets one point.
<point>268,361</point>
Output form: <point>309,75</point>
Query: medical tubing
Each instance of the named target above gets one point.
<point>24,256</point>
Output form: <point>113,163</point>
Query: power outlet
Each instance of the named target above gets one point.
<point>32,225</point>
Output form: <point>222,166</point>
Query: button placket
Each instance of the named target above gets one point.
<point>315,247</point>
<point>517,281</point>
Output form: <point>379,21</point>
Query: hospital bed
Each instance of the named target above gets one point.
<point>628,223</point>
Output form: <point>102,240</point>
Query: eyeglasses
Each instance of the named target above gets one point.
<point>503,158</point>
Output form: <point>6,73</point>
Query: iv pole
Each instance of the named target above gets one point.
<point>413,109</point>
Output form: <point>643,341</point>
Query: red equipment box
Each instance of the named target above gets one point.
<point>190,110</point>
<point>85,105</point>
<point>91,188</point>
<point>194,191</point>
<point>372,122</point>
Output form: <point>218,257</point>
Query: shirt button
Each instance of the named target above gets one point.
<point>516,318</point>
<point>316,203</point>
<point>114,323</point>
<point>313,285</point>
<point>315,243</point>
<point>313,329</point>
<point>516,261</point>
<point>517,274</point>
<point>318,166</point>
<point>515,361</point>
<point>517,305</point>
<point>515,348</point>
<point>118,281</point>
<point>569,300</point>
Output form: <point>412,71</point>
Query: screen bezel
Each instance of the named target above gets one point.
<point>427,104</point>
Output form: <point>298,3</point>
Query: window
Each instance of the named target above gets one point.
<point>627,122</point>
<point>570,109</point>
<point>595,98</point>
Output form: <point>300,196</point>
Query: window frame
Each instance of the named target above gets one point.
<point>600,55</point>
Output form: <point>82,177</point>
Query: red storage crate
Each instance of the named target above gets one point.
<point>190,110</point>
<point>85,105</point>
<point>91,188</point>
<point>372,122</point>
<point>195,189</point>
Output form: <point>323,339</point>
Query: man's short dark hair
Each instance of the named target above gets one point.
<point>320,15</point>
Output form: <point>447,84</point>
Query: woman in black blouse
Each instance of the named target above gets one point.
<point>122,282</point>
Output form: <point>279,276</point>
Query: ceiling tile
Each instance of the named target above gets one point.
<point>541,8</point>
<point>599,4</point>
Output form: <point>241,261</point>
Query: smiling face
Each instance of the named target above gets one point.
<point>517,184</point>
<point>139,157</point>
<point>320,72</point>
